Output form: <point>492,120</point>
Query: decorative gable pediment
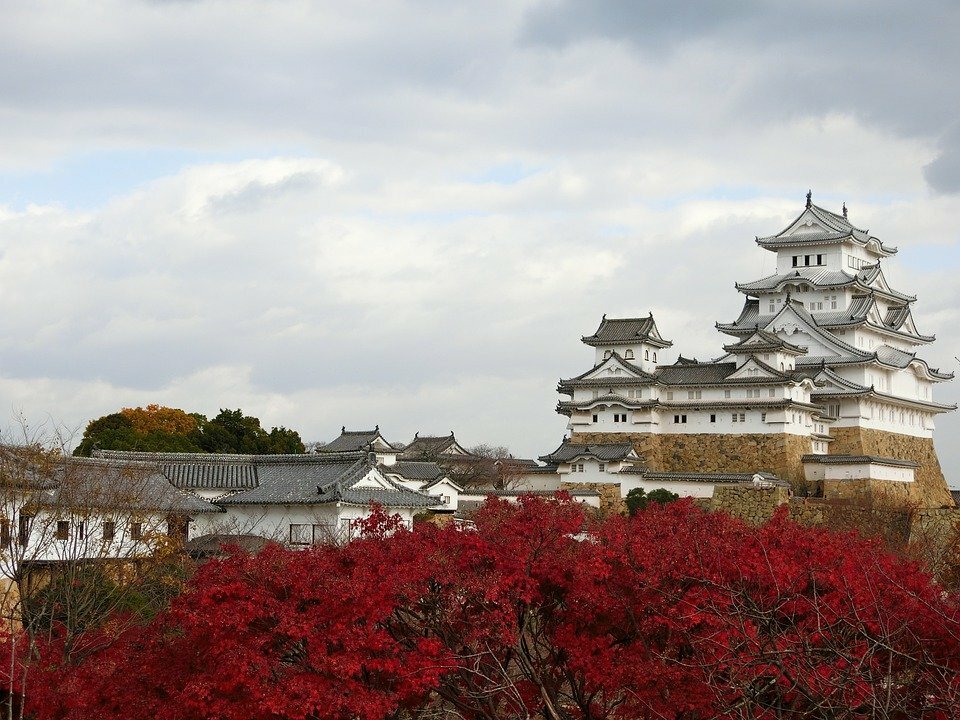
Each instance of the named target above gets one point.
<point>797,329</point>
<point>373,479</point>
<point>613,368</point>
<point>750,369</point>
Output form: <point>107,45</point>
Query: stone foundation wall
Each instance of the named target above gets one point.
<point>777,453</point>
<point>745,502</point>
<point>611,503</point>
<point>930,487</point>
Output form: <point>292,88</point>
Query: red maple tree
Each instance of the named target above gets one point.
<point>536,613</point>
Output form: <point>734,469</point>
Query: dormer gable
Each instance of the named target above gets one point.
<point>752,369</point>
<point>614,368</point>
<point>795,325</point>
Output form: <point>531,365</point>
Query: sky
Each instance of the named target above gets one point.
<point>408,213</point>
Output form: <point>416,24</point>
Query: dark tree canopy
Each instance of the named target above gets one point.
<point>161,429</point>
<point>639,499</point>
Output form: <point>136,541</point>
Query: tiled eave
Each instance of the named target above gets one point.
<point>892,399</point>
<point>857,460</point>
<point>564,407</point>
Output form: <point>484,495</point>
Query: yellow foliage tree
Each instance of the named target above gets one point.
<point>157,418</point>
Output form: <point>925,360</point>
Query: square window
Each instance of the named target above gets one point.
<point>601,467</point>
<point>713,418</point>
<point>726,393</point>
<point>743,417</point>
<point>733,417</point>
<point>63,529</point>
<point>109,530</point>
<point>136,531</point>
<point>300,534</point>
<point>683,419</point>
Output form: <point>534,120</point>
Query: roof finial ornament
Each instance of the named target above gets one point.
<point>343,428</point>
<point>809,198</point>
<point>844,211</point>
<point>377,427</point>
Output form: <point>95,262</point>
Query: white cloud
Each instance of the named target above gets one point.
<point>409,212</point>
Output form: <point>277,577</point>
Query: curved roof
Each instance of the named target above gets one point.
<point>600,451</point>
<point>823,278</point>
<point>627,331</point>
<point>817,226</point>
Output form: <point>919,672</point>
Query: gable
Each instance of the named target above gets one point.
<point>612,368</point>
<point>750,369</point>
<point>789,325</point>
<point>373,479</point>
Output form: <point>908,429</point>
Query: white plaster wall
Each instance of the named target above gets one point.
<point>681,488</point>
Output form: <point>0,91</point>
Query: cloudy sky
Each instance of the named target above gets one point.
<point>407,213</point>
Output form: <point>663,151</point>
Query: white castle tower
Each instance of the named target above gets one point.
<point>822,378</point>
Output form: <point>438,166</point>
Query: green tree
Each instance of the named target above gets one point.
<point>161,429</point>
<point>639,499</point>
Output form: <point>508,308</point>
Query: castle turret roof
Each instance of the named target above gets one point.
<point>818,226</point>
<point>627,331</point>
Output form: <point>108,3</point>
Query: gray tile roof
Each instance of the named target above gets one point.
<point>137,486</point>
<point>353,440</point>
<point>769,342</point>
<point>658,476</point>
<point>698,374</point>
<point>285,479</point>
<point>429,445</point>
<point>836,226</point>
<point>601,451</point>
<point>626,331</point>
<point>857,460</point>
<point>817,276</point>
<point>748,321</point>
<point>414,470</point>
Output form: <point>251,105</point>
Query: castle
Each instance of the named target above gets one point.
<point>820,384</point>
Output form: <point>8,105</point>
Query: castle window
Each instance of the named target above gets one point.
<point>773,392</point>
<point>713,418</point>
<point>680,419</point>
<point>833,302</point>
<point>63,529</point>
<point>763,417</point>
<point>796,260</point>
<point>628,355</point>
<point>630,393</point>
<point>743,417</point>
<point>806,260</point>
<point>646,354</point>
<point>601,467</point>
<point>772,306</point>
<point>694,394</point>
<point>670,395</point>
<point>733,417</point>
<point>654,357</point>
<point>596,417</point>
<point>819,259</point>
<point>726,393</point>
<point>109,530</point>
<point>136,531</point>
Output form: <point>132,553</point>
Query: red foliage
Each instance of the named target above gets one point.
<point>672,613</point>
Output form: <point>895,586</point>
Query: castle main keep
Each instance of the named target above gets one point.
<point>821,382</point>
